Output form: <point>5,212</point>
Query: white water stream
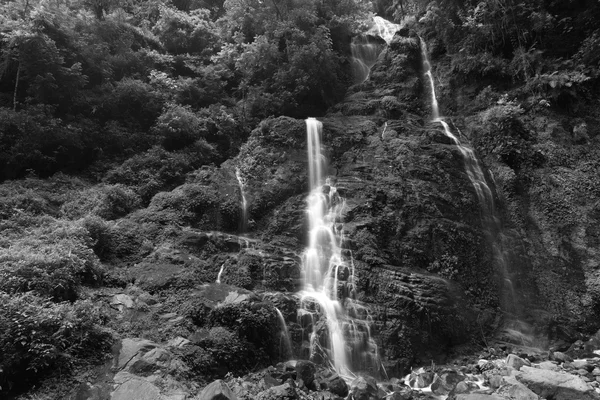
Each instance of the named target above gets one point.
<point>337,327</point>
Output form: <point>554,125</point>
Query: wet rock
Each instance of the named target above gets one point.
<point>287,391</point>
<point>217,390</point>
<point>516,362</point>
<point>178,342</point>
<point>150,361</point>
<point>512,389</point>
<point>445,381</point>
<point>136,389</point>
<point>549,365</point>
<point>122,301</point>
<point>306,371</point>
<point>556,385</point>
<point>559,356</point>
<point>130,348</point>
<point>364,388</point>
<point>420,379</point>
<point>336,385</point>
<point>477,396</point>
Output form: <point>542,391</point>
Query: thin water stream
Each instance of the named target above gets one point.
<point>491,221</point>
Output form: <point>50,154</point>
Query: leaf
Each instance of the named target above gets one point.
<point>553,84</point>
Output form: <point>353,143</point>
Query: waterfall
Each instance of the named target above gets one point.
<point>285,345</point>
<point>385,29</point>
<point>476,176</point>
<point>337,327</point>
<point>220,273</point>
<point>364,55</point>
<point>244,204</point>
<point>366,48</point>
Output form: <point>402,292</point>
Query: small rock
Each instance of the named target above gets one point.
<point>178,342</point>
<point>218,390</point>
<point>477,396</point>
<point>364,388</point>
<point>136,389</point>
<point>446,381</point>
<point>306,371</point>
<point>336,385</point>
<point>559,356</point>
<point>513,389</point>
<point>495,381</point>
<point>581,364</point>
<point>122,301</point>
<point>516,362</point>
<point>549,365</point>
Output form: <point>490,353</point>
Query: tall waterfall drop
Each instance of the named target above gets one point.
<point>485,196</point>
<point>335,326</point>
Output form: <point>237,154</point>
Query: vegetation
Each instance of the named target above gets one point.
<point>135,98</point>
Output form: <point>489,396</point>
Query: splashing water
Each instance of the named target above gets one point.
<point>336,327</point>
<point>484,194</point>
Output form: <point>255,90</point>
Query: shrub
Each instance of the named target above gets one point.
<point>53,260</point>
<point>255,322</point>
<point>178,127</point>
<point>156,170</point>
<point>37,336</point>
<point>221,351</point>
<point>106,201</point>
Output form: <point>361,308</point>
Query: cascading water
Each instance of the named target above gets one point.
<point>220,273</point>
<point>365,48</point>
<point>244,204</point>
<point>484,194</point>
<point>335,326</point>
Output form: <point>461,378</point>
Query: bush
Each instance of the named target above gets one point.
<point>156,170</point>
<point>221,351</point>
<point>53,260</point>
<point>106,201</point>
<point>38,336</point>
<point>255,322</point>
<point>178,127</point>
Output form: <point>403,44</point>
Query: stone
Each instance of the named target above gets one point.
<point>420,379</point>
<point>495,381</point>
<point>136,389</point>
<point>336,385</point>
<point>512,389</point>
<point>555,385</point>
<point>549,365</point>
<point>287,391</point>
<point>217,390</point>
<point>130,348</point>
<point>178,342</point>
<point>364,388</point>
<point>560,356</point>
<point>478,396</point>
<point>445,381</point>
<point>122,301</point>
<point>306,371</point>
<point>581,364</point>
<point>516,362</point>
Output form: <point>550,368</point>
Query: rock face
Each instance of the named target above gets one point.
<point>411,222</point>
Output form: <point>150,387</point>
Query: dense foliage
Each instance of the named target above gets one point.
<point>93,81</point>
